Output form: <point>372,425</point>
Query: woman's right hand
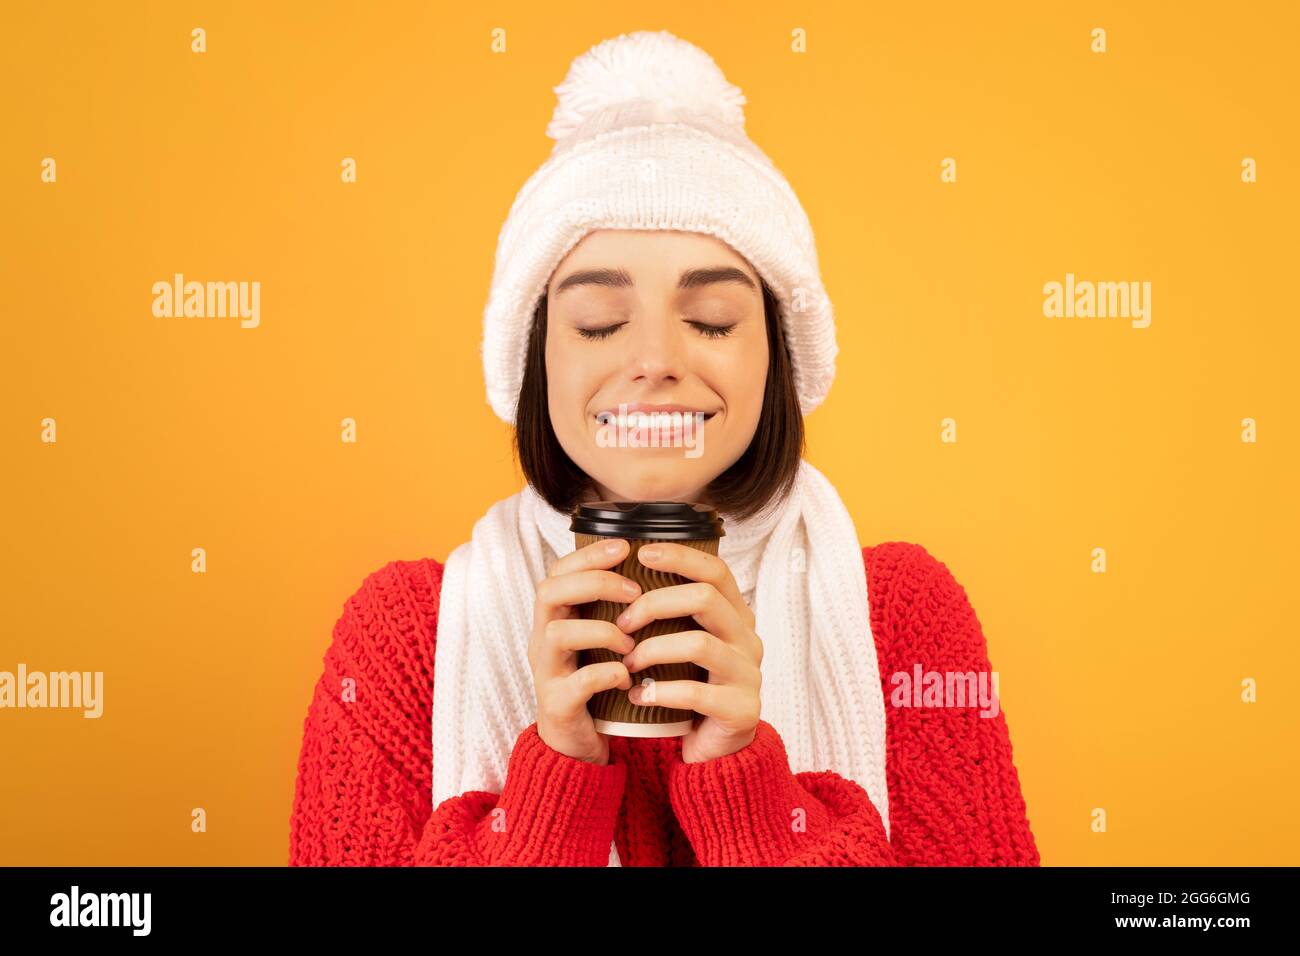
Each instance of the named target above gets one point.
<point>562,687</point>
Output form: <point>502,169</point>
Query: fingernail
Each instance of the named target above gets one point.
<point>630,587</point>
<point>614,547</point>
<point>651,553</point>
<point>623,619</point>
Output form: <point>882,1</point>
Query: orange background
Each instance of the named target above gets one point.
<point>1122,690</point>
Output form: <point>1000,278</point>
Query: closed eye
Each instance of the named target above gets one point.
<point>714,331</point>
<point>602,332</point>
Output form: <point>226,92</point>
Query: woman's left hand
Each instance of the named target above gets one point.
<point>727,647</point>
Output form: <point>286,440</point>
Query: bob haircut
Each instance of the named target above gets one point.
<point>761,477</point>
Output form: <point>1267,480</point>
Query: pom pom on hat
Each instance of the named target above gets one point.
<point>664,69</point>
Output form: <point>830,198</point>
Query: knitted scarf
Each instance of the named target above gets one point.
<point>821,685</point>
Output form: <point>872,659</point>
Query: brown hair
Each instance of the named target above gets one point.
<point>763,475</point>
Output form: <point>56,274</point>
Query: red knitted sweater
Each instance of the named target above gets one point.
<point>363,789</point>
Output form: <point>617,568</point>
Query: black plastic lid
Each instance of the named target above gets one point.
<point>669,520</point>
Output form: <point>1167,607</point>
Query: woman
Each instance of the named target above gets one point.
<point>657,260</point>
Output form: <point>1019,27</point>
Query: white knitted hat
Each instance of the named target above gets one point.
<point>650,135</point>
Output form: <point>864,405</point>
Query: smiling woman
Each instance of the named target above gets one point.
<point>666,287</point>
<point>657,262</point>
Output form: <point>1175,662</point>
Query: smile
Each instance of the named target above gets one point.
<point>657,429</point>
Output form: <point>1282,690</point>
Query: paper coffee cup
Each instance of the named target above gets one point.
<point>640,523</point>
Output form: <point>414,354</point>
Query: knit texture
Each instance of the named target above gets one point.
<point>798,567</point>
<point>363,790</point>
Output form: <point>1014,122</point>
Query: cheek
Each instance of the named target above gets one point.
<point>739,377</point>
<point>570,384</point>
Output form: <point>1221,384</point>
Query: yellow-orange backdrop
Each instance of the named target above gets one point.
<point>1122,689</point>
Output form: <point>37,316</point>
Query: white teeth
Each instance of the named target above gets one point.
<point>653,420</point>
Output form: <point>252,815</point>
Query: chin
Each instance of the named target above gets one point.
<point>654,484</point>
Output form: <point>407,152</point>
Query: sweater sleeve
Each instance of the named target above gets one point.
<point>954,796</point>
<point>954,793</point>
<point>364,785</point>
<point>748,809</point>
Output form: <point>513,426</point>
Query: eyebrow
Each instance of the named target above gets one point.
<point>690,279</point>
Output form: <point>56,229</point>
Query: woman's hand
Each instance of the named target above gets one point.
<point>727,647</point>
<point>562,687</point>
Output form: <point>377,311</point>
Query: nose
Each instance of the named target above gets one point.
<point>657,353</point>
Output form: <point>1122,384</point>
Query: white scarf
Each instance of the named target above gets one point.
<point>821,685</point>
